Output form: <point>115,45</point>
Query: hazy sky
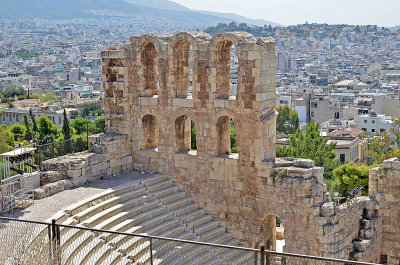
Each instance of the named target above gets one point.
<point>288,12</point>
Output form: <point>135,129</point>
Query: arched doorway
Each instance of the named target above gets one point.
<point>272,233</point>
<point>185,134</point>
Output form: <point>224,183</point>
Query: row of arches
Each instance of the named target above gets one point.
<point>182,69</point>
<point>186,137</point>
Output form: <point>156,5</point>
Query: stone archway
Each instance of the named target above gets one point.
<point>268,232</point>
<point>181,66</point>
<point>149,66</point>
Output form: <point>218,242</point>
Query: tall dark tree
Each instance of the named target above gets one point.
<point>34,125</point>
<point>66,130</point>
<point>28,132</point>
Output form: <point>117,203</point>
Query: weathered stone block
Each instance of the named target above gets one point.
<point>328,209</point>
<point>74,173</point>
<point>49,177</point>
<point>303,163</point>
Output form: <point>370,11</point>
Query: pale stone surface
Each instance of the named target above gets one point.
<point>148,117</point>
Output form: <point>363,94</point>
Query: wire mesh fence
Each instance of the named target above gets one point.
<point>24,243</point>
<point>29,242</point>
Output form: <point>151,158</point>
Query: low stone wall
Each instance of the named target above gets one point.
<point>384,186</point>
<point>291,189</point>
<point>106,157</point>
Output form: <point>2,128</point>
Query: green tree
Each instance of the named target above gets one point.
<point>66,130</point>
<point>233,138</point>
<point>19,131</point>
<point>193,136</point>
<point>49,96</point>
<point>28,132</point>
<point>100,124</point>
<point>26,54</point>
<point>382,147</point>
<point>47,130</point>
<point>395,131</point>
<point>311,145</point>
<point>6,139</point>
<point>349,176</point>
<point>79,124</point>
<point>4,142</point>
<point>34,125</point>
<point>12,91</point>
<point>287,121</point>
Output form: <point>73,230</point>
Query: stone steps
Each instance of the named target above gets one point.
<point>152,206</point>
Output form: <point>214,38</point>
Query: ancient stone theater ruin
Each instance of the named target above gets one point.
<point>157,86</point>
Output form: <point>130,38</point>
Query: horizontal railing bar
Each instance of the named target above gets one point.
<point>275,253</point>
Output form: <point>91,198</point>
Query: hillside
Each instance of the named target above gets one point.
<point>154,9</point>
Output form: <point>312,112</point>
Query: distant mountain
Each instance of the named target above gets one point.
<point>238,18</point>
<point>161,10</point>
<point>395,28</point>
<point>170,5</point>
<point>160,4</point>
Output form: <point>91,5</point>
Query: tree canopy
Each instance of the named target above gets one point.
<point>49,96</point>
<point>311,145</point>
<point>48,131</point>
<point>12,91</point>
<point>349,176</point>
<point>385,145</point>
<point>287,121</point>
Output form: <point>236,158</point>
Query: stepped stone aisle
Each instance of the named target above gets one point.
<point>150,205</point>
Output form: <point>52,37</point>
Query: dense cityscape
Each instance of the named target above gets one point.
<point>336,75</point>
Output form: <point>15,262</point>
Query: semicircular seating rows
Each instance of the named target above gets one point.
<point>151,205</point>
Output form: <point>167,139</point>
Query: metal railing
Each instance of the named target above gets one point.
<point>60,148</point>
<point>34,242</point>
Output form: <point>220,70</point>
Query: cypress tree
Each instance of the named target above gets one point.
<point>66,130</point>
<point>35,128</point>
<point>28,133</point>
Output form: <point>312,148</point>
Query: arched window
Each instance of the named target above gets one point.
<point>223,138</point>
<point>185,134</point>
<point>149,66</point>
<point>226,64</point>
<point>150,132</point>
<point>226,136</point>
<point>182,68</point>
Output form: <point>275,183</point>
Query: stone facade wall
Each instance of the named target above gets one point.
<point>147,101</point>
<point>384,186</point>
<point>149,111</point>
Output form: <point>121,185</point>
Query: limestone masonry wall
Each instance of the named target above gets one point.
<point>153,94</point>
<point>384,186</point>
<point>158,85</point>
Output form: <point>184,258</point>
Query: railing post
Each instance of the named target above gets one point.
<point>151,251</point>
<point>268,258</point>
<point>87,133</point>
<point>255,258</point>
<point>50,241</point>
<point>55,239</point>
<point>262,255</point>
